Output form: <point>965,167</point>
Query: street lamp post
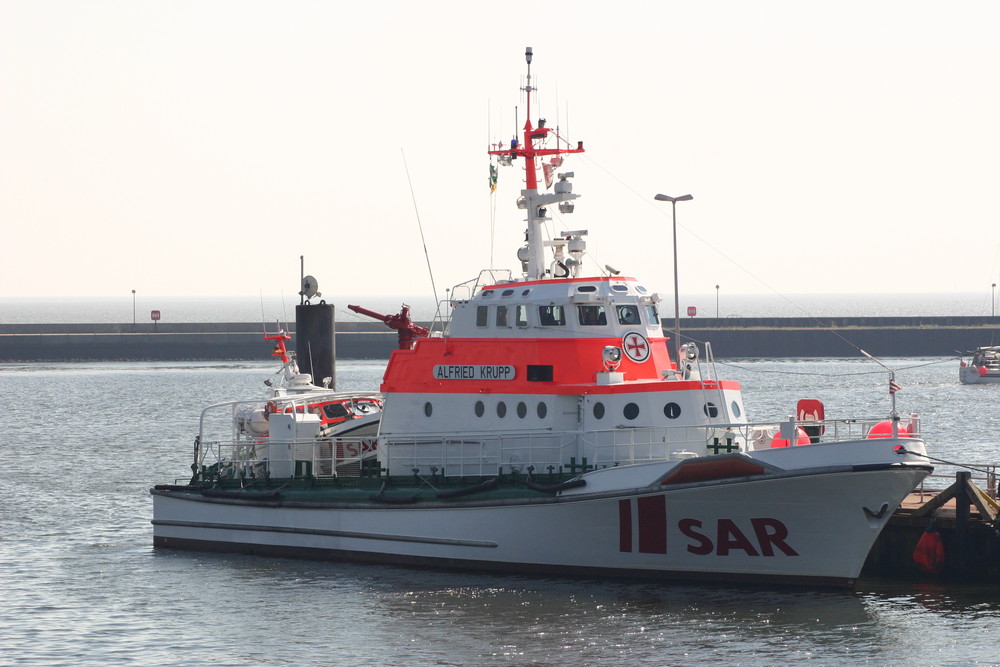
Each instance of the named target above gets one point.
<point>677,299</point>
<point>133,307</point>
<point>716,302</point>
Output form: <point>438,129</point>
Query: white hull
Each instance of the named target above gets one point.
<point>971,375</point>
<point>812,526</point>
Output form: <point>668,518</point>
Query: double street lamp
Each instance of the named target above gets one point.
<point>677,299</point>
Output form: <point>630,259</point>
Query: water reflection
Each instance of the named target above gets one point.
<point>81,583</point>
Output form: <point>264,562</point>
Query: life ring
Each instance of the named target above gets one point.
<point>270,408</point>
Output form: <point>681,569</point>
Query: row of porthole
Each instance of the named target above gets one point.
<point>670,410</point>
<point>630,411</point>
<point>480,409</point>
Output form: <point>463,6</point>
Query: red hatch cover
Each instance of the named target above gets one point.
<point>694,470</point>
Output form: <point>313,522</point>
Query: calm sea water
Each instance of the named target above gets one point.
<point>80,583</point>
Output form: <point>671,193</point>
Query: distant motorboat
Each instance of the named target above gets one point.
<point>984,367</point>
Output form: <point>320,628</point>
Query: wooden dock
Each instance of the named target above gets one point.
<point>968,522</point>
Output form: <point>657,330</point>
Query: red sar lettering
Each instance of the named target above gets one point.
<point>770,533</point>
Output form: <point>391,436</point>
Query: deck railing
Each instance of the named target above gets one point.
<point>985,476</point>
<point>536,452</point>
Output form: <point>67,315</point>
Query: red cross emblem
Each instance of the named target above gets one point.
<point>636,347</point>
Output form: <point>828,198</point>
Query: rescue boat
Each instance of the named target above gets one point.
<point>357,413</point>
<point>545,426</point>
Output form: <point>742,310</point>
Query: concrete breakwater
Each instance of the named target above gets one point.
<point>730,338</point>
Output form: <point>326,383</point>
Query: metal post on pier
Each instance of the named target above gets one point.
<point>963,479</point>
<point>677,304</point>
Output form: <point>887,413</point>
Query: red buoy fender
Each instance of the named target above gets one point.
<point>929,554</point>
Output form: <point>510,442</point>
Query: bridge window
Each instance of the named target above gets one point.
<point>736,409</point>
<point>627,314</point>
<point>507,292</point>
<point>551,316</point>
<point>652,315</point>
<point>711,410</point>
<point>521,316</point>
<point>482,315</point>
<point>586,288</point>
<point>619,288</point>
<point>671,411</point>
<point>502,316</point>
<point>592,316</point>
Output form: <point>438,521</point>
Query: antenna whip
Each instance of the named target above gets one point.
<point>422,240</point>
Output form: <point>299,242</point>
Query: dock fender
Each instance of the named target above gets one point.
<point>929,554</point>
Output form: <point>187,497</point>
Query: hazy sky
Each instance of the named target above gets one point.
<point>199,148</point>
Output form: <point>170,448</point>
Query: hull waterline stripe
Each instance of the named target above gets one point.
<point>326,533</point>
<point>491,566</point>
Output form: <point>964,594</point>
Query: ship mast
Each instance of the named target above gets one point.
<point>532,255</point>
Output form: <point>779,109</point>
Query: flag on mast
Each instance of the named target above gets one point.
<point>493,178</point>
<point>893,386</point>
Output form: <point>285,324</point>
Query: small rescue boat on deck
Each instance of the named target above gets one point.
<point>544,427</point>
<point>253,422</point>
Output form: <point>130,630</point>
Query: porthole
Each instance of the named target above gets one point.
<point>526,292</point>
<point>640,289</point>
<point>619,288</point>
<point>488,292</point>
<point>542,411</point>
<point>598,410</point>
<point>631,411</point>
<point>428,408</point>
<point>507,292</point>
<point>736,409</point>
<point>480,408</point>
<point>501,409</point>
<point>671,411</point>
<point>522,410</point>
<point>711,410</point>
<point>586,288</point>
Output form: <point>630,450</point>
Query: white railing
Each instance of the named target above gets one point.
<point>464,292</point>
<point>325,457</point>
<point>538,452</point>
<point>478,454</point>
